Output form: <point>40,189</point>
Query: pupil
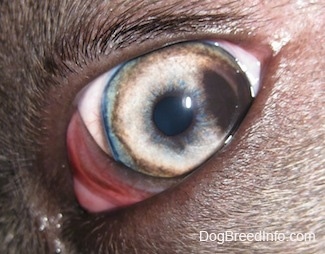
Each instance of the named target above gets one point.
<point>172,115</point>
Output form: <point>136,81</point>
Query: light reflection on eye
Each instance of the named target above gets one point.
<point>152,120</point>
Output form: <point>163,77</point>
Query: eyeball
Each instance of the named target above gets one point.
<point>143,126</point>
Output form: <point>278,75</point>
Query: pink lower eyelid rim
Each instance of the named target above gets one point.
<point>90,193</point>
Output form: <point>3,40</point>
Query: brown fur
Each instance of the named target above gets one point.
<point>271,177</point>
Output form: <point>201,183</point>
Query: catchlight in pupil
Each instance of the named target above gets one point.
<point>173,115</point>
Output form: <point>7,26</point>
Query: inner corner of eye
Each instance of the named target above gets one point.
<point>156,118</point>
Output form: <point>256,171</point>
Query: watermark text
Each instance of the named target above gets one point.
<point>260,236</point>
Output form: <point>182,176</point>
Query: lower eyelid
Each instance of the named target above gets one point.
<point>110,185</point>
<point>96,184</point>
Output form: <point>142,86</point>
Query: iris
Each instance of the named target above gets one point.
<point>168,111</point>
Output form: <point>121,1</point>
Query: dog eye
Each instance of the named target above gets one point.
<point>144,125</point>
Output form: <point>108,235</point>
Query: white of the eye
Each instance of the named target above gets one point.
<point>249,64</point>
<point>89,108</point>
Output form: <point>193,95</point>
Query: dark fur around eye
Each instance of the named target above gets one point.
<point>270,177</point>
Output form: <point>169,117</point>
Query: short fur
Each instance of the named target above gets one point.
<point>271,177</point>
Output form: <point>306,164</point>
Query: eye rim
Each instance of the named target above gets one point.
<point>94,210</point>
<point>59,107</point>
